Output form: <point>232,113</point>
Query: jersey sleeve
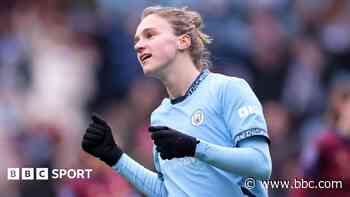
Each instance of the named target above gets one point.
<point>156,163</point>
<point>154,152</point>
<point>242,111</point>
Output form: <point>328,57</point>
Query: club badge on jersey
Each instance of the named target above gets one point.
<point>197,117</point>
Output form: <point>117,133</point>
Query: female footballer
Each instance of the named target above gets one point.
<point>210,135</point>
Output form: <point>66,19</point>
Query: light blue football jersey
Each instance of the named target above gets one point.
<point>218,109</point>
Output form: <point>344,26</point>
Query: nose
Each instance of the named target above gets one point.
<point>139,47</point>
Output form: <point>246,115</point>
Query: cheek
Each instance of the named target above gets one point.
<point>167,49</point>
<point>169,52</point>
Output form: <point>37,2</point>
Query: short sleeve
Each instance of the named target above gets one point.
<point>242,111</point>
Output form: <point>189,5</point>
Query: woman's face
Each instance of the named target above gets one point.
<point>155,44</point>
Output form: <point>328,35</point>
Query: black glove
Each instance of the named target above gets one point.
<point>171,143</point>
<point>99,142</point>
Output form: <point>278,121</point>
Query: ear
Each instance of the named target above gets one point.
<point>184,42</point>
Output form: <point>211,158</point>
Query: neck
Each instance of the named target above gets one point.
<point>179,77</point>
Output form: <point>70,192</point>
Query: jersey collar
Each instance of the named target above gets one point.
<point>202,75</point>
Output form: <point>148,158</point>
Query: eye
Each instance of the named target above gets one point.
<point>149,35</point>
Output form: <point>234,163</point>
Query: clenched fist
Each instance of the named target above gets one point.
<point>98,141</point>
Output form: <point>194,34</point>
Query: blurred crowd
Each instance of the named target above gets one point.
<point>61,60</point>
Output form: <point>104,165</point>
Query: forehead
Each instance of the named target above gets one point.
<point>153,22</point>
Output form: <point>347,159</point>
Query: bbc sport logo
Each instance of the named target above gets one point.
<point>46,173</point>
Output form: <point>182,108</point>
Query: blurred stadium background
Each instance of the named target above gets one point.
<point>60,60</point>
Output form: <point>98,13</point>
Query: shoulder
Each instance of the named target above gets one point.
<point>160,113</point>
<point>225,81</point>
<point>222,79</point>
<point>162,106</point>
<point>228,85</point>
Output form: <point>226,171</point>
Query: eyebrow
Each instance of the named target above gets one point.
<point>137,38</point>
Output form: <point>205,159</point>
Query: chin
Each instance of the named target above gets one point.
<point>150,70</point>
<point>146,71</point>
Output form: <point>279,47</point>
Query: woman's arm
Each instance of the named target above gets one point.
<point>146,181</point>
<point>250,159</point>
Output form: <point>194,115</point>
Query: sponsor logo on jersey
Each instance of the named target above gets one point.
<point>245,111</point>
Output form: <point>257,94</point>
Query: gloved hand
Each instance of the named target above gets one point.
<point>98,141</point>
<point>171,143</point>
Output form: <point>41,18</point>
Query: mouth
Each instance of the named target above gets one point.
<point>145,57</point>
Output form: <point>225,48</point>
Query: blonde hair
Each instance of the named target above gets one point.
<point>185,21</point>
